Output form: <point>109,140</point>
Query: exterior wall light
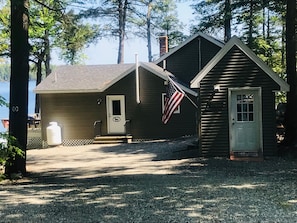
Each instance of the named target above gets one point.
<point>216,88</point>
<point>99,101</point>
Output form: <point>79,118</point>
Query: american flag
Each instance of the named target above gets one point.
<point>174,96</point>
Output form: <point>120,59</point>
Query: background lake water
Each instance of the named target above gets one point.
<point>4,92</point>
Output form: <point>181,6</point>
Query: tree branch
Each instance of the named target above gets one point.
<point>48,7</point>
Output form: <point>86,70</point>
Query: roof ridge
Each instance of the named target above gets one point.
<point>235,41</point>
<point>190,39</point>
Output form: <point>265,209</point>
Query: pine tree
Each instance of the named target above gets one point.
<point>18,106</point>
<point>291,118</point>
<point>157,17</point>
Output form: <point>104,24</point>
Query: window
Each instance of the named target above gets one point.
<point>116,107</point>
<point>245,107</point>
<point>177,110</point>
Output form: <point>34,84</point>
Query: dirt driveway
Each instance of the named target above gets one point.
<point>159,181</point>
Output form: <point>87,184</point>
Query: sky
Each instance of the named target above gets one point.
<point>105,51</point>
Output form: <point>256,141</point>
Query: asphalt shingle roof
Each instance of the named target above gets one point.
<point>82,78</point>
<point>93,78</point>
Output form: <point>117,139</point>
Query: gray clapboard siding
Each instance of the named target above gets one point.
<point>77,112</point>
<point>74,112</point>
<point>234,70</point>
<point>184,64</point>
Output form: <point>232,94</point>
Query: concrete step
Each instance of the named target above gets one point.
<point>112,139</point>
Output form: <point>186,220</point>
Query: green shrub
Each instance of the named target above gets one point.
<point>9,149</point>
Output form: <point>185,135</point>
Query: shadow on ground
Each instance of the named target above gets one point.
<point>181,148</point>
<point>150,183</point>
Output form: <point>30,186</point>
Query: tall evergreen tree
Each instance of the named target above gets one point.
<point>72,36</point>
<point>248,13</point>
<point>291,118</point>
<point>227,20</point>
<point>115,17</point>
<point>213,16</point>
<point>5,31</point>
<point>154,17</point>
<point>18,106</point>
<point>50,27</point>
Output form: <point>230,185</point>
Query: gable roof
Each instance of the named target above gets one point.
<point>199,34</point>
<point>195,83</point>
<point>94,78</point>
<point>81,78</point>
<point>164,75</point>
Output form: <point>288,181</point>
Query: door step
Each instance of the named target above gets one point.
<point>246,156</point>
<point>112,139</point>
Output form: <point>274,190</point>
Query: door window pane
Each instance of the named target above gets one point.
<point>245,107</point>
<point>239,108</point>
<point>116,107</point>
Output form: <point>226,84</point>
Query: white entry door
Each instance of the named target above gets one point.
<point>116,118</point>
<point>245,120</point>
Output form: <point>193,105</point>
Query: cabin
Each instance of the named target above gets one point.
<point>94,103</point>
<point>233,89</point>
<point>236,115</point>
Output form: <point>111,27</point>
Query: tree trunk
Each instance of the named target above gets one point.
<point>291,117</point>
<point>38,80</point>
<point>18,106</point>
<point>283,43</point>
<point>47,55</point>
<point>266,18</point>
<point>228,17</point>
<point>251,24</point>
<point>122,7</point>
<point>148,31</point>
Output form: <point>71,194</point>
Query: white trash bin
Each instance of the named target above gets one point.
<point>53,134</point>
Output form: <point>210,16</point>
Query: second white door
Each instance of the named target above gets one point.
<point>245,120</point>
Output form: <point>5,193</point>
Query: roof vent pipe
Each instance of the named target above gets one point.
<point>137,79</point>
<point>164,65</point>
<point>55,77</point>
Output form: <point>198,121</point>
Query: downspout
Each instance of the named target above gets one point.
<point>137,79</point>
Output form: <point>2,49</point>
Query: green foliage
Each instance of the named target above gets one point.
<point>42,21</point>
<point>210,15</point>
<point>4,72</point>
<point>9,150</point>
<point>3,101</point>
<point>146,19</point>
<point>74,36</point>
<point>52,24</point>
<point>155,18</point>
<point>258,23</point>
<point>5,31</point>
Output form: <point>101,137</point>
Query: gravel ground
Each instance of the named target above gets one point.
<point>159,181</point>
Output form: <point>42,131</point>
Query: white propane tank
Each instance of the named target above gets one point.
<point>53,134</point>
